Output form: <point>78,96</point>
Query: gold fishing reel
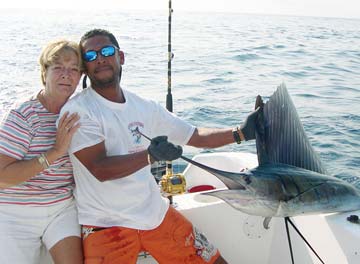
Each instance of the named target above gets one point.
<point>171,183</point>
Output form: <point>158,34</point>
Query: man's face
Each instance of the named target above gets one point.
<point>103,71</point>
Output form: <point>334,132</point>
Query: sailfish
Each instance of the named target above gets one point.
<point>290,179</point>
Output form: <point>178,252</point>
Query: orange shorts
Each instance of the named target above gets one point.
<point>173,241</point>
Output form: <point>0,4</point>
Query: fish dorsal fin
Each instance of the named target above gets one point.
<point>283,139</point>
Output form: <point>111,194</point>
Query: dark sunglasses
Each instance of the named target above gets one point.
<point>105,51</point>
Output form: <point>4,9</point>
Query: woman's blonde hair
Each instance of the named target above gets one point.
<point>52,52</point>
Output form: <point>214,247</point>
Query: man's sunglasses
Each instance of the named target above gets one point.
<point>105,51</point>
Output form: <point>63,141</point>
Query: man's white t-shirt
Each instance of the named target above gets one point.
<point>135,200</point>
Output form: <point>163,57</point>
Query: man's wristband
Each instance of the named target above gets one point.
<point>236,135</point>
<point>149,159</point>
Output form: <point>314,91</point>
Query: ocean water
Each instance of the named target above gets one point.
<point>221,62</point>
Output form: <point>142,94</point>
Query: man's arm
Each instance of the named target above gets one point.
<point>109,168</point>
<point>106,168</point>
<point>215,137</point>
<point>211,137</point>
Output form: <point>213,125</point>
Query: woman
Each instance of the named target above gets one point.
<point>36,181</point>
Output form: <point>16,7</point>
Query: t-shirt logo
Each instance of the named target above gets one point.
<point>133,128</point>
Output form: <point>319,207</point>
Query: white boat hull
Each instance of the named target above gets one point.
<point>243,239</point>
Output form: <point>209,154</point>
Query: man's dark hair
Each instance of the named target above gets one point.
<point>99,32</point>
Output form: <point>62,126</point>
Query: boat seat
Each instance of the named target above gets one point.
<point>201,188</point>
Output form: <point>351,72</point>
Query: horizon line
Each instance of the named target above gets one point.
<point>124,10</point>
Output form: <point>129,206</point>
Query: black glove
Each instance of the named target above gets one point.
<point>249,125</point>
<point>161,149</point>
<point>260,120</point>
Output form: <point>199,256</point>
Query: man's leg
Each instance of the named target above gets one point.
<point>113,245</point>
<point>220,260</point>
<point>176,241</point>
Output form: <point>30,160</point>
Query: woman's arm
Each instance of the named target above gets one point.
<point>14,171</point>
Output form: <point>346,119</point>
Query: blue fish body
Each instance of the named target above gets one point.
<point>280,190</point>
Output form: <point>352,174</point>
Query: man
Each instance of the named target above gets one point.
<point>119,203</point>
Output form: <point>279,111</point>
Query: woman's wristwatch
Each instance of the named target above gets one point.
<point>43,161</point>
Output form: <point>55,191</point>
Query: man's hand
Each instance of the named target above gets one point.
<point>161,149</point>
<point>249,125</point>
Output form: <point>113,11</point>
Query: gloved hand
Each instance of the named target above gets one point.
<point>249,125</point>
<point>161,149</point>
<point>260,121</point>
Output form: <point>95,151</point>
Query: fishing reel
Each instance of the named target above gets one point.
<point>171,183</point>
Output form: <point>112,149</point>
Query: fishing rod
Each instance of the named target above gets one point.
<point>193,162</point>
<point>169,185</point>
<point>169,100</point>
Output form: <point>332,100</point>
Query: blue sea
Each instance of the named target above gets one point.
<point>221,63</point>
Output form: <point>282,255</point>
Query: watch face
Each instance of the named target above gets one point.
<point>176,180</point>
<point>43,162</point>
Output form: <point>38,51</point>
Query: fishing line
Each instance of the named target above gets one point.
<point>288,220</point>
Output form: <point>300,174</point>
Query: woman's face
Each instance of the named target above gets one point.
<point>62,77</point>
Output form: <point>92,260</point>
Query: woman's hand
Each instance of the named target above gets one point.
<point>68,124</point>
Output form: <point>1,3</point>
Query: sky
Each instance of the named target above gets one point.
<point>319,8</point>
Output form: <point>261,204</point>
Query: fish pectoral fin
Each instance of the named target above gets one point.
<point>266,222</point>
<point>288,198</point>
